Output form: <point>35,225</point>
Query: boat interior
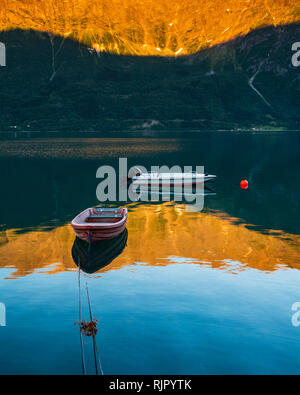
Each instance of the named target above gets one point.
<point>101,215</point>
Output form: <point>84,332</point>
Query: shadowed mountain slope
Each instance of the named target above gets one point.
<point>55,83</point>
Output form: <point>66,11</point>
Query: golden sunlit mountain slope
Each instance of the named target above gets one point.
<point>147,27</point>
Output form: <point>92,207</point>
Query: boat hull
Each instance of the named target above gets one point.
<point>165,180</point>
<point>96,231</point>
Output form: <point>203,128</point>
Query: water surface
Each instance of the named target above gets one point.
<point>193,293</point>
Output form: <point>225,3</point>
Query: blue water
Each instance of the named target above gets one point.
<point>174,314</point>
<point>180,319</point>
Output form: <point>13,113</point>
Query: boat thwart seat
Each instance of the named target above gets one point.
<point>109,209</point>
<point>104,218</point>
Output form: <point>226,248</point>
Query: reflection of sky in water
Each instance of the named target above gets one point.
<point>170,319</point>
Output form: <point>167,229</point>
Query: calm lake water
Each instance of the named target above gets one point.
<point>207,292</point>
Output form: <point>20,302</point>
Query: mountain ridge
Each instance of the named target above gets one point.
<point>147,27</point>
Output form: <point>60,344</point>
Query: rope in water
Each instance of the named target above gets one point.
<point>90,243</point>
<point>80,320</point>
<point>96,351</point>
<point>94,339</point>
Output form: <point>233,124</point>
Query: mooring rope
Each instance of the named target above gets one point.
<point>96,350</point>
<point>90,243</point>
<point>95,347</point>
<point>80,320</point>
<point>99,360</point>
<point>91,319</point>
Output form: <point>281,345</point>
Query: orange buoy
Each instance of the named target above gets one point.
<point>244,184</point>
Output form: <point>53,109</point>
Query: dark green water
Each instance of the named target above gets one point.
<point>207,292</point>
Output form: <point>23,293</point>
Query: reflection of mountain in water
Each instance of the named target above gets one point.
<point>160,235</point>
<point>98,255</point>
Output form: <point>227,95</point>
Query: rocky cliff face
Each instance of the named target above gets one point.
<point>147,27</point>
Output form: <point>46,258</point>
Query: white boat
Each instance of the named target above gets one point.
<point>172,179</point>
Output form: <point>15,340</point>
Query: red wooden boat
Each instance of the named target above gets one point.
<point>96,223</point>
